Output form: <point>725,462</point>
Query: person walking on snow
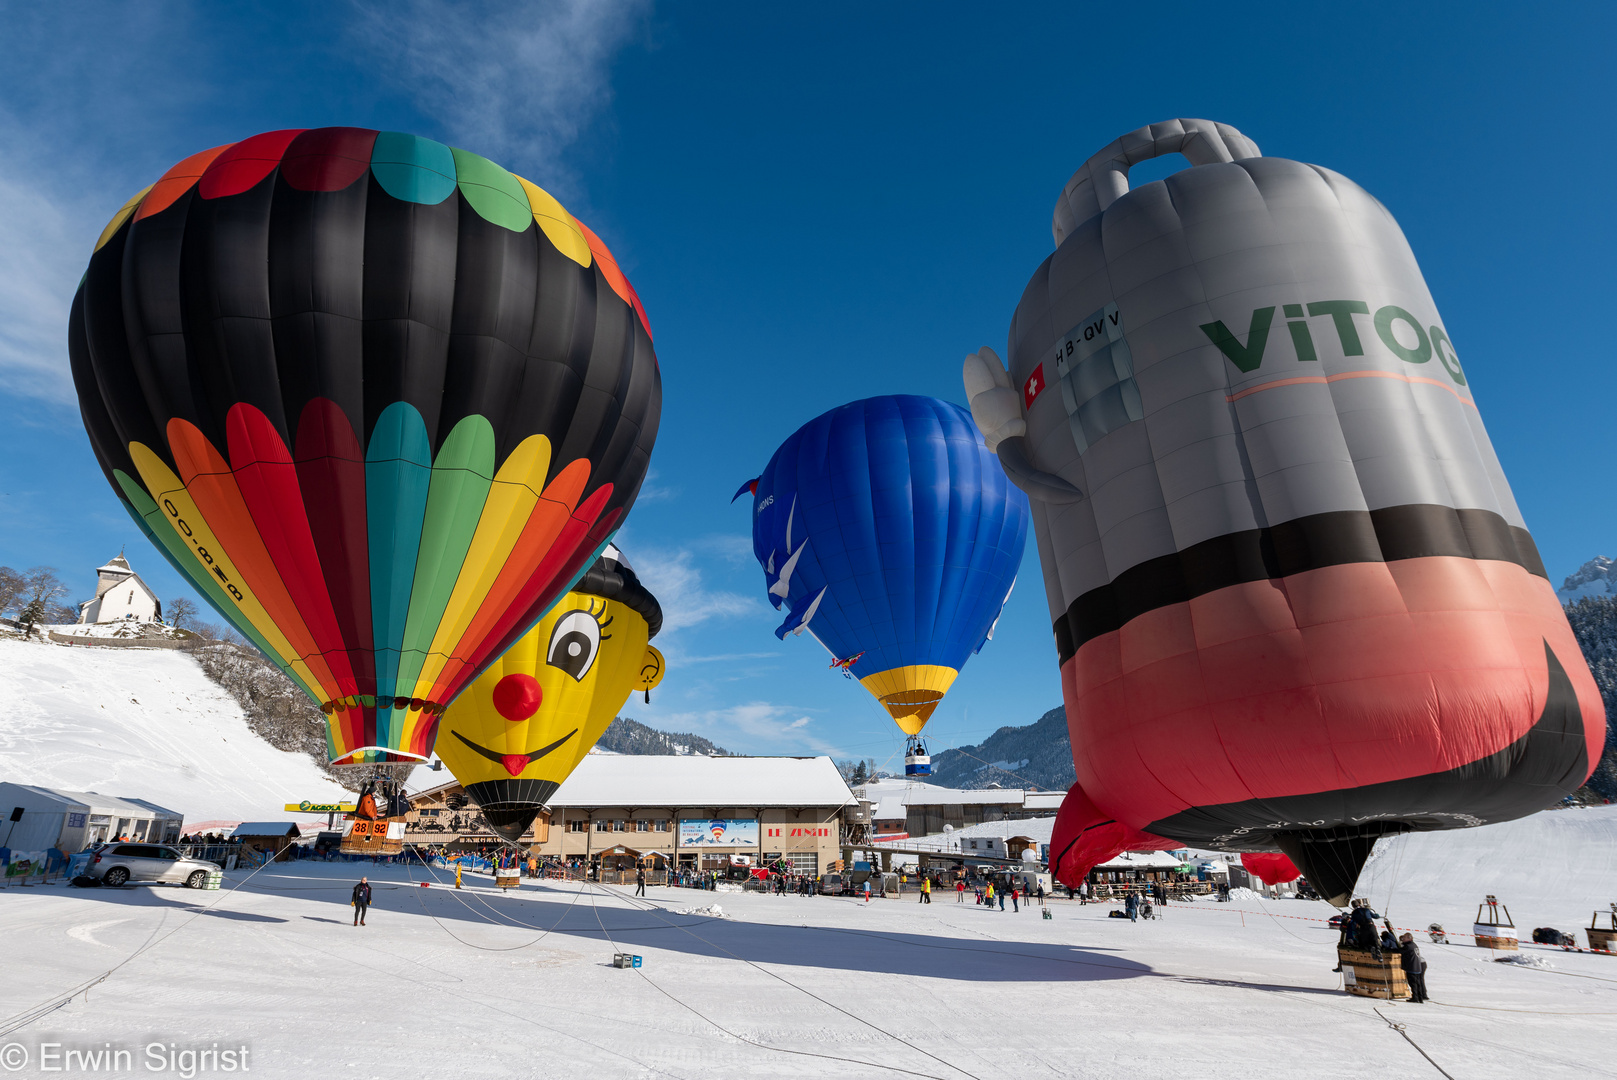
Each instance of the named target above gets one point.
<point>361,900</point>
<point>1002,893</point>
<point>1015,907</point>
<point>960,890</point>
<point>867,890</point>
<point>1132,906</point>
<point>926,890</point>
<point>640,881</point>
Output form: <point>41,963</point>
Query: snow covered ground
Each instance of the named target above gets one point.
<point>127,630</point>
<point>473,984</point>
<point>145,723</point>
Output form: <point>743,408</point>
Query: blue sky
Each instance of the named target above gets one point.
<point>826,205</point>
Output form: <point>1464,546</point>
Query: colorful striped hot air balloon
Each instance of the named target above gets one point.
<point>378,399</point>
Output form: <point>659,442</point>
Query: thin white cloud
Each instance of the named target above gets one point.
<point>757,726</point>
<point>677,582</point>
<point>45,254</point>
<point>517,82</point>
<point>733,548</point>
<point>654,490</point>
<point>728,658</point>
<point>77,99</point>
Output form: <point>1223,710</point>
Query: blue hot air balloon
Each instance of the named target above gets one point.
<point>887,529</point>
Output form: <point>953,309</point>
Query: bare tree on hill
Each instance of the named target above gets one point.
<point>11,588</point>
<point>182,612</point>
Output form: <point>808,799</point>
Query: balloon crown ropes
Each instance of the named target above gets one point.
<point>887,530</point>
<point>1295,603</point>
<point>378,399</point>
<point>524,725</point>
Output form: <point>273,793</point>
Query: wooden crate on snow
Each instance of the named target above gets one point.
<point>1366,976</point>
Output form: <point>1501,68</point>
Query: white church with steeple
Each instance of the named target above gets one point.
<point>120,596</point>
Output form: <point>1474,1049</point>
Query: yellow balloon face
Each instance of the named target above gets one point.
<point>517,732</point>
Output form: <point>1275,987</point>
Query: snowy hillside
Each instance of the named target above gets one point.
<point>145,723</point>
<point>1597,577</point>
<point>1551,869</point>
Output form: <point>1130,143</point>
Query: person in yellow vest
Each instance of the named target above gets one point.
<point>926,890</point>
<point>457,873</point>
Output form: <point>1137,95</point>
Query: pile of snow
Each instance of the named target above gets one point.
<point>1531,960</point>
<point>712,911</point>
<point>1597,577</point>
<point>124,630</point>
<point>144,724</point>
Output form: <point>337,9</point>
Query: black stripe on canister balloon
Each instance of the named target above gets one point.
<point>1293,547</point>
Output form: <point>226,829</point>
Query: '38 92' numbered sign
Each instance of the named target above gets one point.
<point>380,837</point>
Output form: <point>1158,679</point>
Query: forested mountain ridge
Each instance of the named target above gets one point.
<point>626,736</point>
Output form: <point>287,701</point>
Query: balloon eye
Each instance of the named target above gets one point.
<point>574,643</point>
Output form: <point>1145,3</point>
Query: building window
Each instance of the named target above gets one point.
<point>662,824</point>
<point>642,825</point>
<point>617,826</point>
<point>578,825</point>
<point>603,826</point>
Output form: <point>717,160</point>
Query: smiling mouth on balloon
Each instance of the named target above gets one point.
<point>514,763</point>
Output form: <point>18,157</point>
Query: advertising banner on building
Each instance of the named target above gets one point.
<point>718,832</point>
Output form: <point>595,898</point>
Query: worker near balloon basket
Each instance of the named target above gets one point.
<point>1414,965</point>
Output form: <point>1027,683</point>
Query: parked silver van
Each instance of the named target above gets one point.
<point>120,864</point>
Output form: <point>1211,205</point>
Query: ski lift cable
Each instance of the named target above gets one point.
<point>653,909</point>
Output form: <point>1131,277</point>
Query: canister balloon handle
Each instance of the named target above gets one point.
<point>1105,177</point>
<point>996,409</point>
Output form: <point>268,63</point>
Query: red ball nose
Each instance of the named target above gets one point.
<point>517,697</point>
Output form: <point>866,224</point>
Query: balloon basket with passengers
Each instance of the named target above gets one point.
<point>377,825</point>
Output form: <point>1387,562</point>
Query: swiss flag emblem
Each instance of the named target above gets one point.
<point>1033,387</point>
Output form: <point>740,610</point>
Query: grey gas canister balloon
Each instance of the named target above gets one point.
<point>1293,598</point>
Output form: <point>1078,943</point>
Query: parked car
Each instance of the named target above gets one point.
<point>120,864</point>
<point>832,885</point>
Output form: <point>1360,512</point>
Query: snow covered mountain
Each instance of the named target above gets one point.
<point>1032,755</point>
<point>145,723</point>
<point>1597,577</point>
<point>626,736</point>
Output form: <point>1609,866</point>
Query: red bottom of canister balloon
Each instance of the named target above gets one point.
<point>1219,713</point>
